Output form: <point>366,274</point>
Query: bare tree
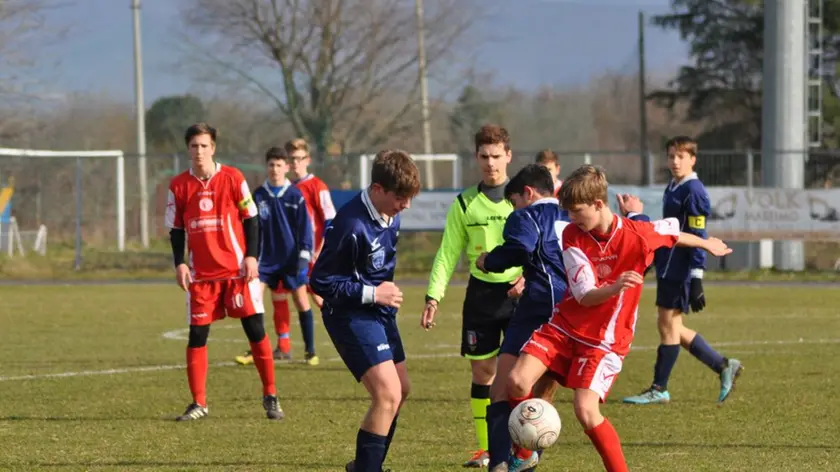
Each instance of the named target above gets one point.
<point>23,36</point>
<point>341,71</point>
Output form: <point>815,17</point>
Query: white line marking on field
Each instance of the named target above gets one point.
<point>160,368</point>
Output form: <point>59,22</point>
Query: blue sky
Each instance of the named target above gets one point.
<point>539,42</point>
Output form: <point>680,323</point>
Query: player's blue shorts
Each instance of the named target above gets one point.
<point>673,294</point>
<point>364,340</point>
<point>519,331</point>
<point>280,279</point>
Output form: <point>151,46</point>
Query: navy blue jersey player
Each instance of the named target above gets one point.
<point>286,244</point>
<point>679,274</point>
<point>355,276</point>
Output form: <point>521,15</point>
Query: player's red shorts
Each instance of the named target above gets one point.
<point>213,300</point>
<point>575,364</point>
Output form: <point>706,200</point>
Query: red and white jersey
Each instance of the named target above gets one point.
<point>593,261</point>
<point>211,212</point>
<point>319,204</point>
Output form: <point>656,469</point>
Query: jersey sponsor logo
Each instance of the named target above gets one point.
<point>205,204</point>
<point>697,222</point>
<point>374,245</point>
<point>377,259</point>
<point>264,210</point>
<point>383,347</point>
<point>199,316</point>
<point>603,270</point>
<point>204,224</point>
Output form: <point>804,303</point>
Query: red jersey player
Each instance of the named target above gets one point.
<point>210,206</point>
<point>590,332</point>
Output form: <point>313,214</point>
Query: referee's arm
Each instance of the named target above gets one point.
<point>451,247</point>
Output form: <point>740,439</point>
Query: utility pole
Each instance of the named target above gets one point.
<point>647,157</point>
<point>141,126</point>
<point>424,93</point>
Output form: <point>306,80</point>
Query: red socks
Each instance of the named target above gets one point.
<point>280,301</point>
<point>520,452</point>
<point>197,373</point>
<point>264,362</point>
<point>606,441</point>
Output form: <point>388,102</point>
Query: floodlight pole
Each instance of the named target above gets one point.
<point>424,92</point>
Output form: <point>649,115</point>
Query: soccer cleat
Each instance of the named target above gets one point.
<point>478,460</point>
<point>649,396</point>
<point>731,370</point>
<point>311,359</point>
<point>245,359</point>
<point>282,356</point>
<point>193,412</point>
<point>515,464</point>
<point>272,408</point>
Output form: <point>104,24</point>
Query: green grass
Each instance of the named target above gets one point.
<point>779,418</point>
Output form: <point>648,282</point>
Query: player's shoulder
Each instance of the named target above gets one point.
<point>293,193</point>
<point>467,196</point>
<point>231,172</point>
<point>695,185</point>
<point>181,179</point>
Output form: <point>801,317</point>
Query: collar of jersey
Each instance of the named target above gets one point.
<point>302,179</point>
<point>218,168</point>
<point>282,189</point>
<point>374,214</point>
<point>691,176</point>
<point>546,200</point>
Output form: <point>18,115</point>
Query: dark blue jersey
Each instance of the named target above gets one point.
<point>688,202</point>
<point>532,241</point>
<point>285,229</point>
<point>359,253</point>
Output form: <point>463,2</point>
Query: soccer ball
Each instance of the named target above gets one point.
<point>534,424</point>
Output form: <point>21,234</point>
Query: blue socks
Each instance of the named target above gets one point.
<point>700,349</point>
<point>666,358</point>
<point>390,436</point>
<point>497,431</point>
<point>370,451</point>
<point>307,326</point>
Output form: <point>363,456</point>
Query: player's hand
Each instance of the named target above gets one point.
<point>388,294</point>
<point>479,263</point>
<point>696,298</point>
<point>517,288</point>
<point>627,280</point>
<point>629,204</point>
<point>427,321</point>
<point>717,247</point>
<point>183,276</point>
<point>249,269</point>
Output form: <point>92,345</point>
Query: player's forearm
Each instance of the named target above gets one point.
<point>596,296</point>
<point>505,257</point>
<point>442,270</point>
<point>251,228</point>
<point>343,291</point>
<point>178,241</point>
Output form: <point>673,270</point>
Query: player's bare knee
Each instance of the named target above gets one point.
<point>517,385</point>
<point>587,412</point>
<point>388,398</point>
<point>198,336</point>
<point>253,326</point>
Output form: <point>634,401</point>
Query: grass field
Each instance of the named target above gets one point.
<point>91,377</point>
